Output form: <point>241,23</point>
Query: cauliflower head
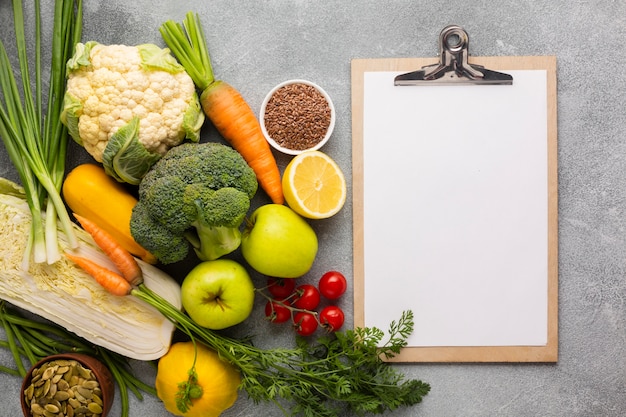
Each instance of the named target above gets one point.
<point>128,105</point>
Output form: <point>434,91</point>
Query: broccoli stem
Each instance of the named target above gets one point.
<point>213,242</point>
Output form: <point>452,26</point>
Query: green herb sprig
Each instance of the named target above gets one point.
<point>342,370</point>
<point>33,340</point>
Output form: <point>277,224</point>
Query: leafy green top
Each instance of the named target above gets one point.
<point>345,368</point>
<point>339,371</point>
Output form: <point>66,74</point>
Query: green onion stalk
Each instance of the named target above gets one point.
<point>31,130</point>
<point>32,340</point>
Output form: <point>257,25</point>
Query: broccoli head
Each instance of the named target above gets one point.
<point>197,195</point>
<point>166,246</point>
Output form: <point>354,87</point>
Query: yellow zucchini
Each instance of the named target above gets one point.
<point>91,193</point>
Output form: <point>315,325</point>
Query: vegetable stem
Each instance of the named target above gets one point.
<point>120,382</point>
<point>9,371</point>
<point>28,349</point>
<point>188,43</point>
<point>13,348</point>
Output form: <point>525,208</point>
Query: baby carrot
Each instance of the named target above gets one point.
<point>223,104</point>
<point>123,260</point>
<point>111,281</point>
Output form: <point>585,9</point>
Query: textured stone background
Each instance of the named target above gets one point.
<point>256,45</point>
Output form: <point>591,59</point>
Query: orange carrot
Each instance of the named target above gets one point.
<point>111,281</point>
<point>123,260</point>
<point>223,104</point>
<point>233,118</point>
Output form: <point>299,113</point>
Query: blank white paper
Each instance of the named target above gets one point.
<point>456,210</point>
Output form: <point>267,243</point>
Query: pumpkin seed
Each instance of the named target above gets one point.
<point>53,390</point>
<point>95,408</point>
<point>96,399</point>
<point>28,392</point>
<point>85,392</point>
<point>49,372</point>
<point>61,396</point>
<point>55,379</point>
<point>68,375</point>
<point>85,373</point>
<point>36,409</point>
<point>46,387</point>
<point>63,369</point>
<point>90,384</point>
<point>79,397</point>
<point>74,380</point>
<point>62,385</point>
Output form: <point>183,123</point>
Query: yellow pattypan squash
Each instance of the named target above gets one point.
<point>212,387</point>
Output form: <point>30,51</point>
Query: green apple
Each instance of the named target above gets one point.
<point>218,294</point>
<point>278,242</point>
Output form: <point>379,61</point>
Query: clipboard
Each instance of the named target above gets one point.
<point>483,288</point>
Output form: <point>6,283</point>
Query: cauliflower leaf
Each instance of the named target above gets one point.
<point>125,158</point>
<point>154,58</point>
<point>72,109</point>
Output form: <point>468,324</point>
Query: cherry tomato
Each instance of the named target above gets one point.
<point>277,311</point>
<point>305,323</point>
<point>281,287</point>
<point>308,297</point>
<point>333,284</point>
<point>332,318</point>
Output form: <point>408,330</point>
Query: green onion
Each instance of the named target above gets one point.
<point>35,139</point>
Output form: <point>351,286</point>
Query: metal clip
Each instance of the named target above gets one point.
<point>453,66</point>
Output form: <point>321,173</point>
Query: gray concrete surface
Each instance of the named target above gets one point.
<point>256,45</point>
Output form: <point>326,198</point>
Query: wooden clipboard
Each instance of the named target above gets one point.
<point>547,352</point>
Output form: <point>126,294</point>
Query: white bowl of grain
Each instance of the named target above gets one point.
<point>297,116</point>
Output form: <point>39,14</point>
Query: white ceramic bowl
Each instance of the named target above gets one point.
<point>285,149</point>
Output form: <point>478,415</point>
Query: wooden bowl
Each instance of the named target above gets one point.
<point>100,371</point>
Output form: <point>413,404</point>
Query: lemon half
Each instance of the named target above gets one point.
<point>314,185</point>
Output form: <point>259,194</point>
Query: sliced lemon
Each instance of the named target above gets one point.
<point>314,185</point>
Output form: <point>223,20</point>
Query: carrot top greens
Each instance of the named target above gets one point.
<point>342,370</point>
